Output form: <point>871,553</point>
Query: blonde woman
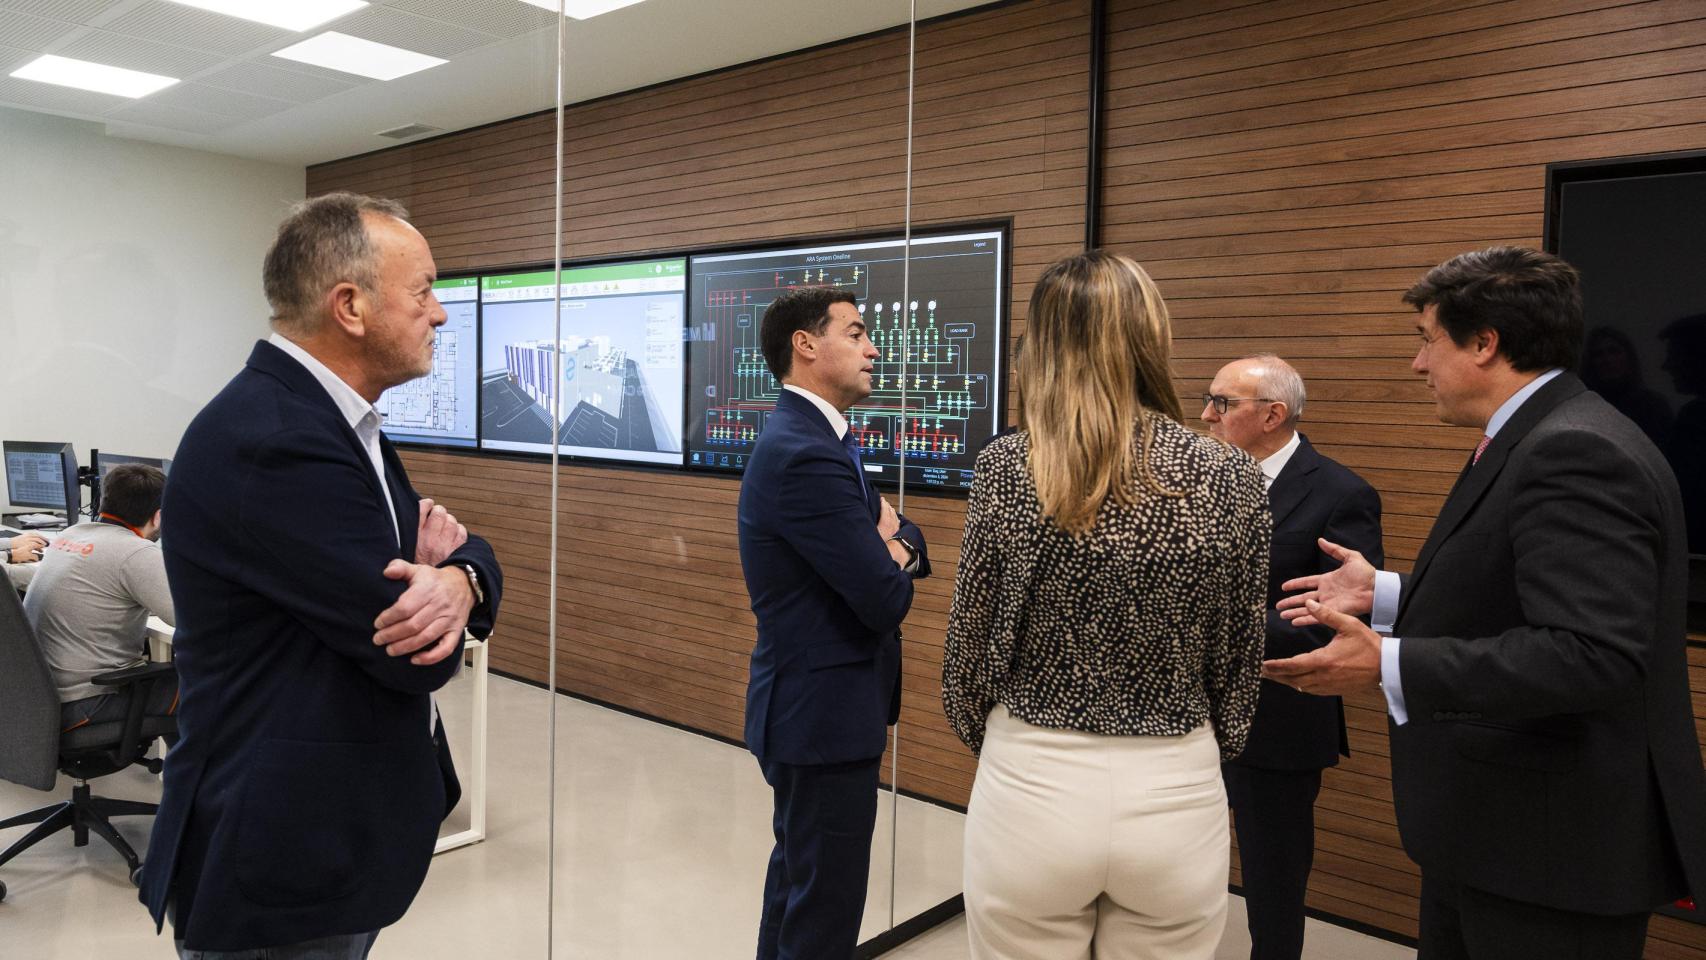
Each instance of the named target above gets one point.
<point>1104,640</point>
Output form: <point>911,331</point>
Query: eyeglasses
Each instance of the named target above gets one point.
<point>1221,403</point>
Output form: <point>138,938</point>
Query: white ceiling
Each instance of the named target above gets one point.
<point>237,99</point>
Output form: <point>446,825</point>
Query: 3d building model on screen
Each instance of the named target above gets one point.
<point>935,384</point>
<point>608,385</point>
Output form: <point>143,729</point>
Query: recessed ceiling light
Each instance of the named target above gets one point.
<point>289,14</point>
<point>364,58</point>
<point>583,9</point>
<point>92,76</point>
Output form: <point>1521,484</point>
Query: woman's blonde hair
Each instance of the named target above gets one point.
<point>1096,361</point>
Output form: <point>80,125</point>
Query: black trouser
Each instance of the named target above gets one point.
<point>113,707</point>
<point>814,892</point>
<point>1462,923</point>
<point>1274,814</point>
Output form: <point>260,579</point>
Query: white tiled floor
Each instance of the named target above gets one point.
<point>661,842</point>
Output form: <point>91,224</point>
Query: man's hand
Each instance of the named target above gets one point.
<point>27,547</point>
<point>1349,589</point>
<point>438,536</point>
<point>889,523</point>
<point>1350,662</point>
<point>430,614</point>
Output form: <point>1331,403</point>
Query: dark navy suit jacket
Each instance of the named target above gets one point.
<point>825,678</point>
<point>304,796</point>
<point>1312,497</point>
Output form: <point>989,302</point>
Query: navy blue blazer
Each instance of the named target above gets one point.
<point>1314,496</point>
<point>304,796</point>
<point>825,677</point>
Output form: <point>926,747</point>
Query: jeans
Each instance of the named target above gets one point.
<point>352,946</point>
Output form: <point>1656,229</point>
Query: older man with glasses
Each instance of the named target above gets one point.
<point>1254,404</point>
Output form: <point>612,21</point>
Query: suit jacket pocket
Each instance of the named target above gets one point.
<point>318,820</point>
<point>821,656</point>
<point>1508,747</point>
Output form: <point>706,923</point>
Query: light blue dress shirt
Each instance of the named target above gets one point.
<point>1387,584</point>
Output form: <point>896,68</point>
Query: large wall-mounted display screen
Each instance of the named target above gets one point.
<point>616,393</point>
<point>937,385</point>
<point>440,408</point>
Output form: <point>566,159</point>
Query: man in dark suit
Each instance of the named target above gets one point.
<point>1254,404</point>
<point>320,600</point>
<point>829,566</point>
<point>1544,762</point>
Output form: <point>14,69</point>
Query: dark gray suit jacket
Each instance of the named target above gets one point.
<point>1550,754</point>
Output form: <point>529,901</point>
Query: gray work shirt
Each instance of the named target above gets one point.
<point>89,603</point>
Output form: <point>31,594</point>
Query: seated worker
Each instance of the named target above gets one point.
<point>90,600</point>
<point>18,556</point>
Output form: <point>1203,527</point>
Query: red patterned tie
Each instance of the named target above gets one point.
<point>1480,448</point>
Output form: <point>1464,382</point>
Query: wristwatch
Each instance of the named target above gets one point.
<point>474,583</point>
<point>911,551</point>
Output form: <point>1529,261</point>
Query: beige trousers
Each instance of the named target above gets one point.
<point>1082,846</point>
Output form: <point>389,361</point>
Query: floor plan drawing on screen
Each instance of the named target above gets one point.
<point>440,407</point>
<point>610,386</point>
<point>935,385</point>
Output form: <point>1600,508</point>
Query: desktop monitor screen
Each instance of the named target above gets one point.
<point>105,462</point>
<point>43,476</point>
<point>609,385</point>
<point>937,384</point>
<point>439,408</point>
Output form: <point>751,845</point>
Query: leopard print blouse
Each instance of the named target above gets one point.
<point>1149,623</point>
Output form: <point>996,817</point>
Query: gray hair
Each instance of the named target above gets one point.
<point>1280,381</point>
<point>321,243</point>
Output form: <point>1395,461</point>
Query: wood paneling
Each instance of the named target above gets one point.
<point>652,611</point>
<point>1286,169</point>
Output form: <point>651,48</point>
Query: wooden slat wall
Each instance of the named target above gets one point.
<point>653,611</point>
<point>1287,168</point>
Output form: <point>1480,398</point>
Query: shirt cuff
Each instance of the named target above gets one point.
<point>1389,681</point>
<point>1386,588</point>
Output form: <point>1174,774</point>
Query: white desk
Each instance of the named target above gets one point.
<point>160,649</point>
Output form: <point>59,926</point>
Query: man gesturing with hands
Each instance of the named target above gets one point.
<point>1545,769</point>
<point>320,601</point>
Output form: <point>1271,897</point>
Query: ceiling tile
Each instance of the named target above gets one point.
<point>74,11</point>
<point>148,113</point>
<point>201,29</point>
<point>267,81</point>
<point>495,19</point>
<point>120,51</point>
<point>11,58</point>
<point>32,33</point>
<point>54,98</point>
<point>420,34</point>
<point>225,103</point>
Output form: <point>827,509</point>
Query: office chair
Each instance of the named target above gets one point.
<point>32,749</point>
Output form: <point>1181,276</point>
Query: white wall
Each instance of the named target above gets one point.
<point>130,287</point>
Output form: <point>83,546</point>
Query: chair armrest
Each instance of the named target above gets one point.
<point>130,675</point>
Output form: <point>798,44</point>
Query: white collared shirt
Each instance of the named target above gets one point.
<point>362,416</point>
<point>1274,462</point>
<point>836,420</point>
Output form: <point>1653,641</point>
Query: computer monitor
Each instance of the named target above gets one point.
<point>937,319</point>
<point>608,385</point>
<point>42,476</point>
<point>103,464</point>
<point>439,408</point>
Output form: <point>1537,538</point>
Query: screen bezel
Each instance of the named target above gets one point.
<point>73,499</point>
